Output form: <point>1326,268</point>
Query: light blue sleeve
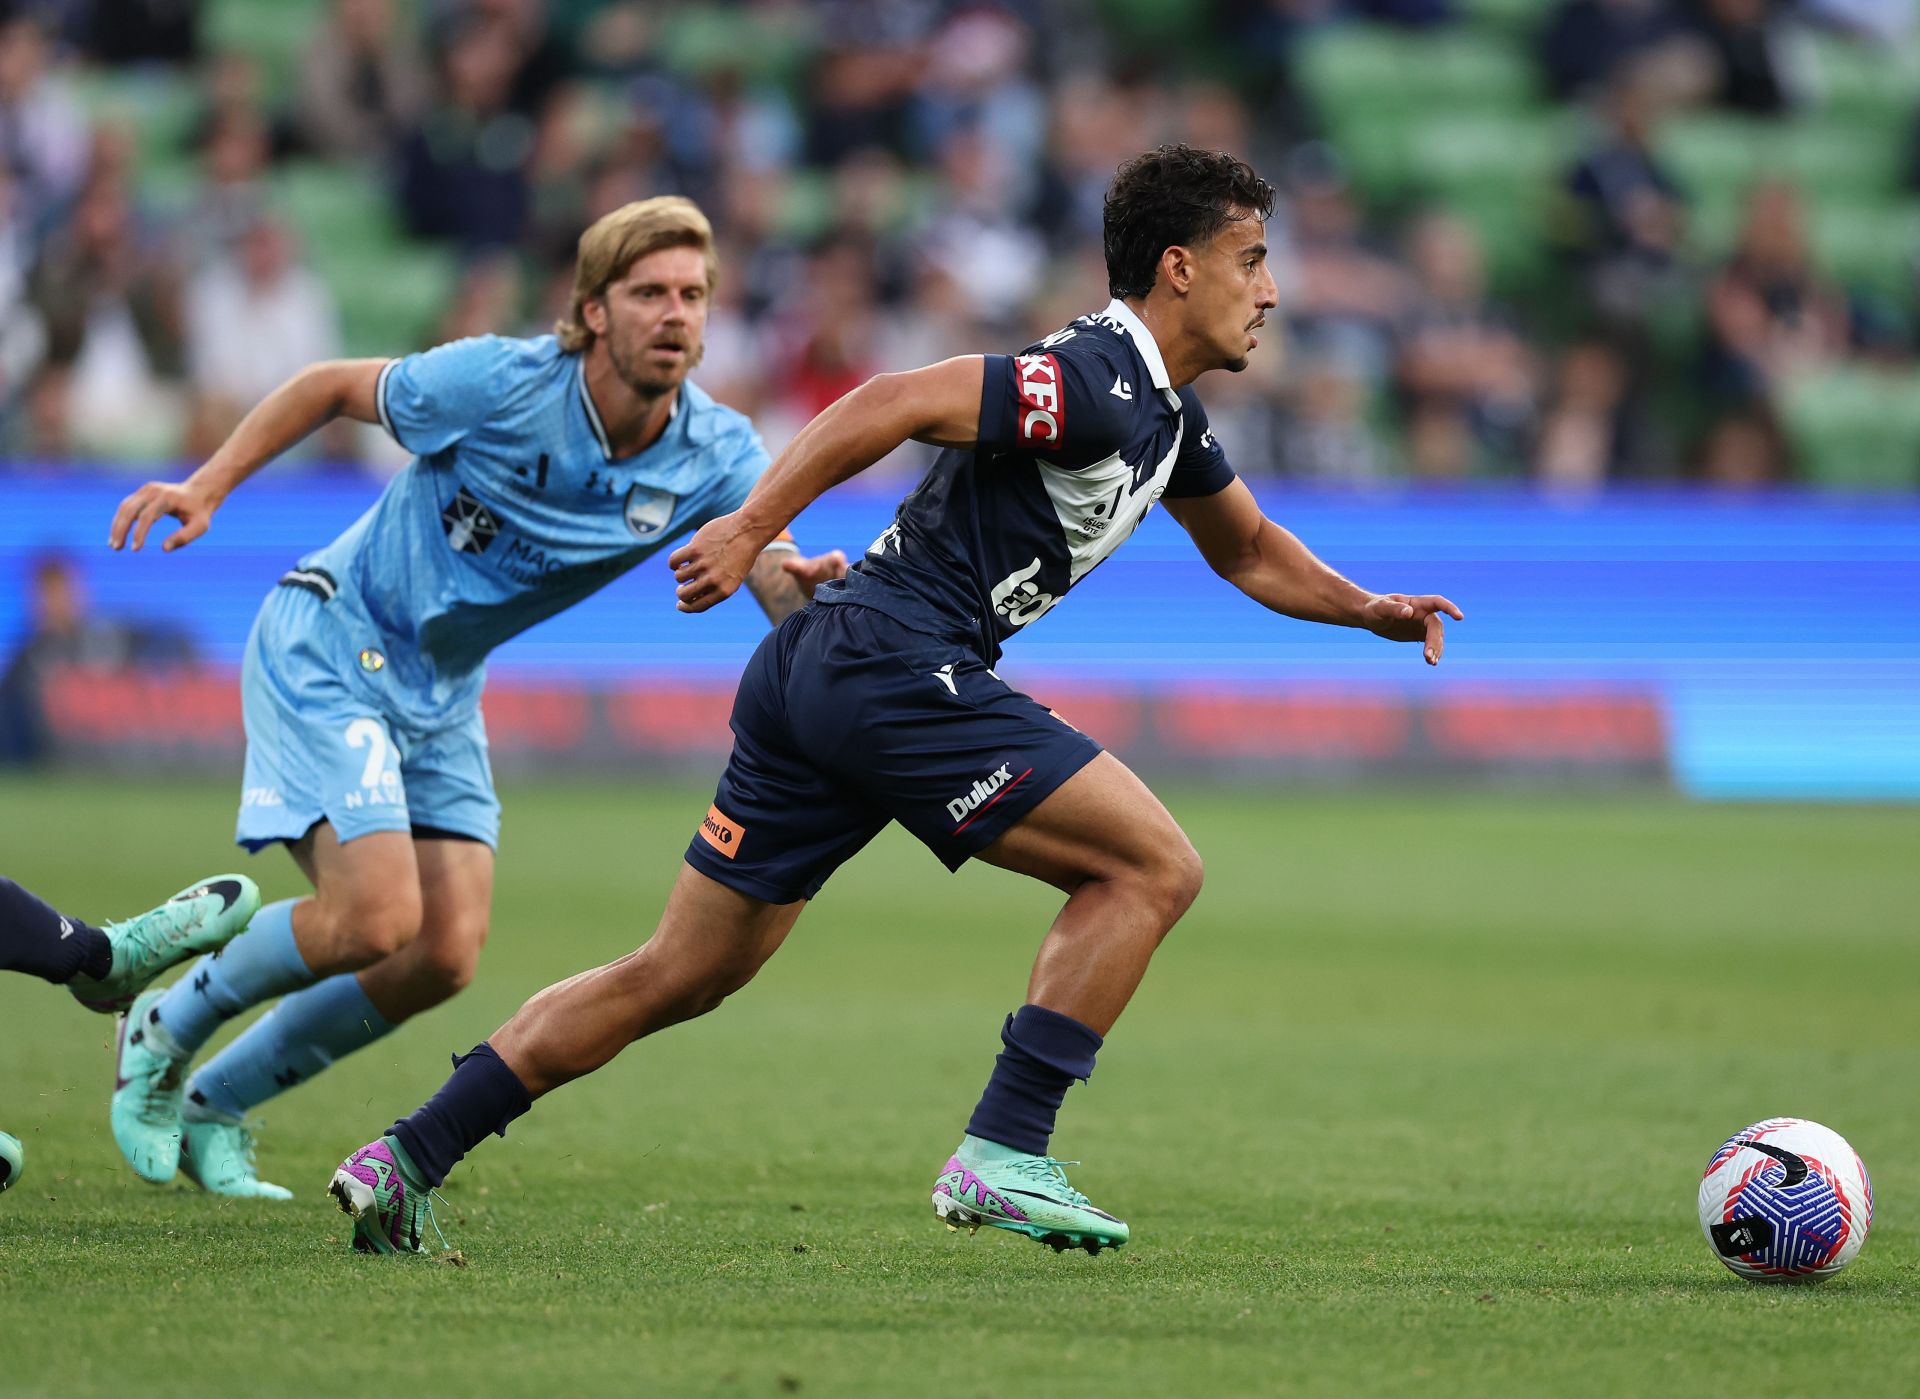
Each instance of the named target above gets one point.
<point>429,401</point>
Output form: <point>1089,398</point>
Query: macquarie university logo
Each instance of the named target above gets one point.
<point>470,526</point>
<point>1042,408</point>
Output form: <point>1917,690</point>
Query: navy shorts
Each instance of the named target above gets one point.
<point>846,720</point>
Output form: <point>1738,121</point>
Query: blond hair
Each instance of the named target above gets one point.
<point>611,246</point>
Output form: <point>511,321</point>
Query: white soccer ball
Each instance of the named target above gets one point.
<point>1786,1200</point>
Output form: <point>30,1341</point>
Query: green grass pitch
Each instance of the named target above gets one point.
<point>1413,1102</point>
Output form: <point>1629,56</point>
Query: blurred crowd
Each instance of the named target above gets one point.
<point>894,181</point>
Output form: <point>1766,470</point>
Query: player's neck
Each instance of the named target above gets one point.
<point>1185,360</point>
<point>632,420</point>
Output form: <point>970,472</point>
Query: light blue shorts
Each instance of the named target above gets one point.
<point>319,748</point>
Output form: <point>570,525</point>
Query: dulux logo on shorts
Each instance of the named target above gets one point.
<point>960,806</point>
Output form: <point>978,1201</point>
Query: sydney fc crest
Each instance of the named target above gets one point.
<point>650,511</point>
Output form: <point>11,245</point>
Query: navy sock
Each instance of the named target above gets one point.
<point>1045,1052</point>
<point>483,1096</point>
<point>36,939</point>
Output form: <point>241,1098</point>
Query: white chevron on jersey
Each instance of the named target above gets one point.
<point>1099,505</point>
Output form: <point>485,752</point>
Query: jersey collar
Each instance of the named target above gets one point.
<point>593,413</point>
<point>1144,344</point>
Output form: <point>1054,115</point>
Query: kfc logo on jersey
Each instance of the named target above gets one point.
<point>1042,410</point>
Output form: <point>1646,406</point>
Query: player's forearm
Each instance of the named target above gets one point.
<point>1279,572</point>
<point>853,433</point>
<point>305,403</point>
<point>778,592</point>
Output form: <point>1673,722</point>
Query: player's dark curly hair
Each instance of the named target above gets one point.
<point>1173,196</point>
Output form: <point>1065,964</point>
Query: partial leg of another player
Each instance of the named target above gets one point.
<point>1129,873</point>
<point>106,967</point>
<point>312,1028</point>
<point>711,940</point>
<point>366,906</point>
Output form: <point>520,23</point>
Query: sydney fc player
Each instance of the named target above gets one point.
<point>879,701</point>
<point>543,469</point>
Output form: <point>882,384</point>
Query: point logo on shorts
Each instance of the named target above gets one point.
<point>722,834</point>
<point>1042,410</point>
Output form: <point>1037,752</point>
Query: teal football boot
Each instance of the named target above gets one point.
<point>202,918</point>
<point>216,1154</point>
<point>382,1189</point>
<point>984,1183</point>
<point>149,1077</point>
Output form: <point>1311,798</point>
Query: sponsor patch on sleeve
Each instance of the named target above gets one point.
<point>1042,415</point>
<point>722,834</point>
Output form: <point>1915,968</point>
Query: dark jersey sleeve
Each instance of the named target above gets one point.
<point>1056,404</point>
<point>1202,467</point>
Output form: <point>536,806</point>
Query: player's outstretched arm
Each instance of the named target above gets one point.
<point>1271,566</point>
<point>939,405</point>
<point>308,401</point>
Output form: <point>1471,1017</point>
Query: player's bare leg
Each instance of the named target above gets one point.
<point>366,905</point>
<point>324,1023</point>
<point>709,943</point>
<point>1129,873</point>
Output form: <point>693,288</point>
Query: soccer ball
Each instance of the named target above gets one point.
<point>1786,1200</point>
<point>12,1159</point>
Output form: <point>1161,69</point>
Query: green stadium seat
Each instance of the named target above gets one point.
<point>1856,427</point>
<point>157,105</point>
<point>335,205</point>
<point>1877,86</point>
<point>273,33</point>
<point>390,301</point>
<point>1718,156</point>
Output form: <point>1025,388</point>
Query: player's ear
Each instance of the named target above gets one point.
<point>594,312</point>
<point>1176,265</point>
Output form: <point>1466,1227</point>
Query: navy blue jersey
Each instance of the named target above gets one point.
<point>1079,435</point>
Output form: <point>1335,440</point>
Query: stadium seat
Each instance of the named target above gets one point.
<point>271,32</point>
<point>391,300</point>
<point>1856,426</point>
<point>1872,84</point>
<point>1717,157</point>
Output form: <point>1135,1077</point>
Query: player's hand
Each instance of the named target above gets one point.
<point>821,568</point>
<point>1400,617</point>
<point>711,566</point>
<point>139,512</point>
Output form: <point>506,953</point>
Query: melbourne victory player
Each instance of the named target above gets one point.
<point>543,469</point>
<point>107,966</point>
<point>879,702</point>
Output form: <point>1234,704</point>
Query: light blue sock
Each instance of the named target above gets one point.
<point>288,1045</point>
<point>261,963</point>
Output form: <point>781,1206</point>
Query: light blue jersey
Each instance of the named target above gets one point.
<point>513,509</point>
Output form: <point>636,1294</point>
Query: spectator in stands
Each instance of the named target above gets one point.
<point>360,87</point>
<point>1324,436</point>
<point>1769,317</point>
<point>1345,293</point>
<point>1584,436</point>
<point>235,147</point>
<point>127,32</point>
<point>23,335</point>
<point>463,169</point>
<point>63,632</point>
<point>253,322</point>
<point>1746,45</point>
<point>111,301</point>
<point>43,131</point>
<point>1464,373</point>
<point>1587,44</point>
<point>1627,214</point>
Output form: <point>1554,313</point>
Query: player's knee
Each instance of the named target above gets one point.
<point>447,967</point>
<point>1174,879</point>
<point>380,927</point>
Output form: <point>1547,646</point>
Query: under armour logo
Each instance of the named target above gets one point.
<point>287,1078</point>
<point>1121,389</point>
<point>201,982</point>
<point>945,676</point>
